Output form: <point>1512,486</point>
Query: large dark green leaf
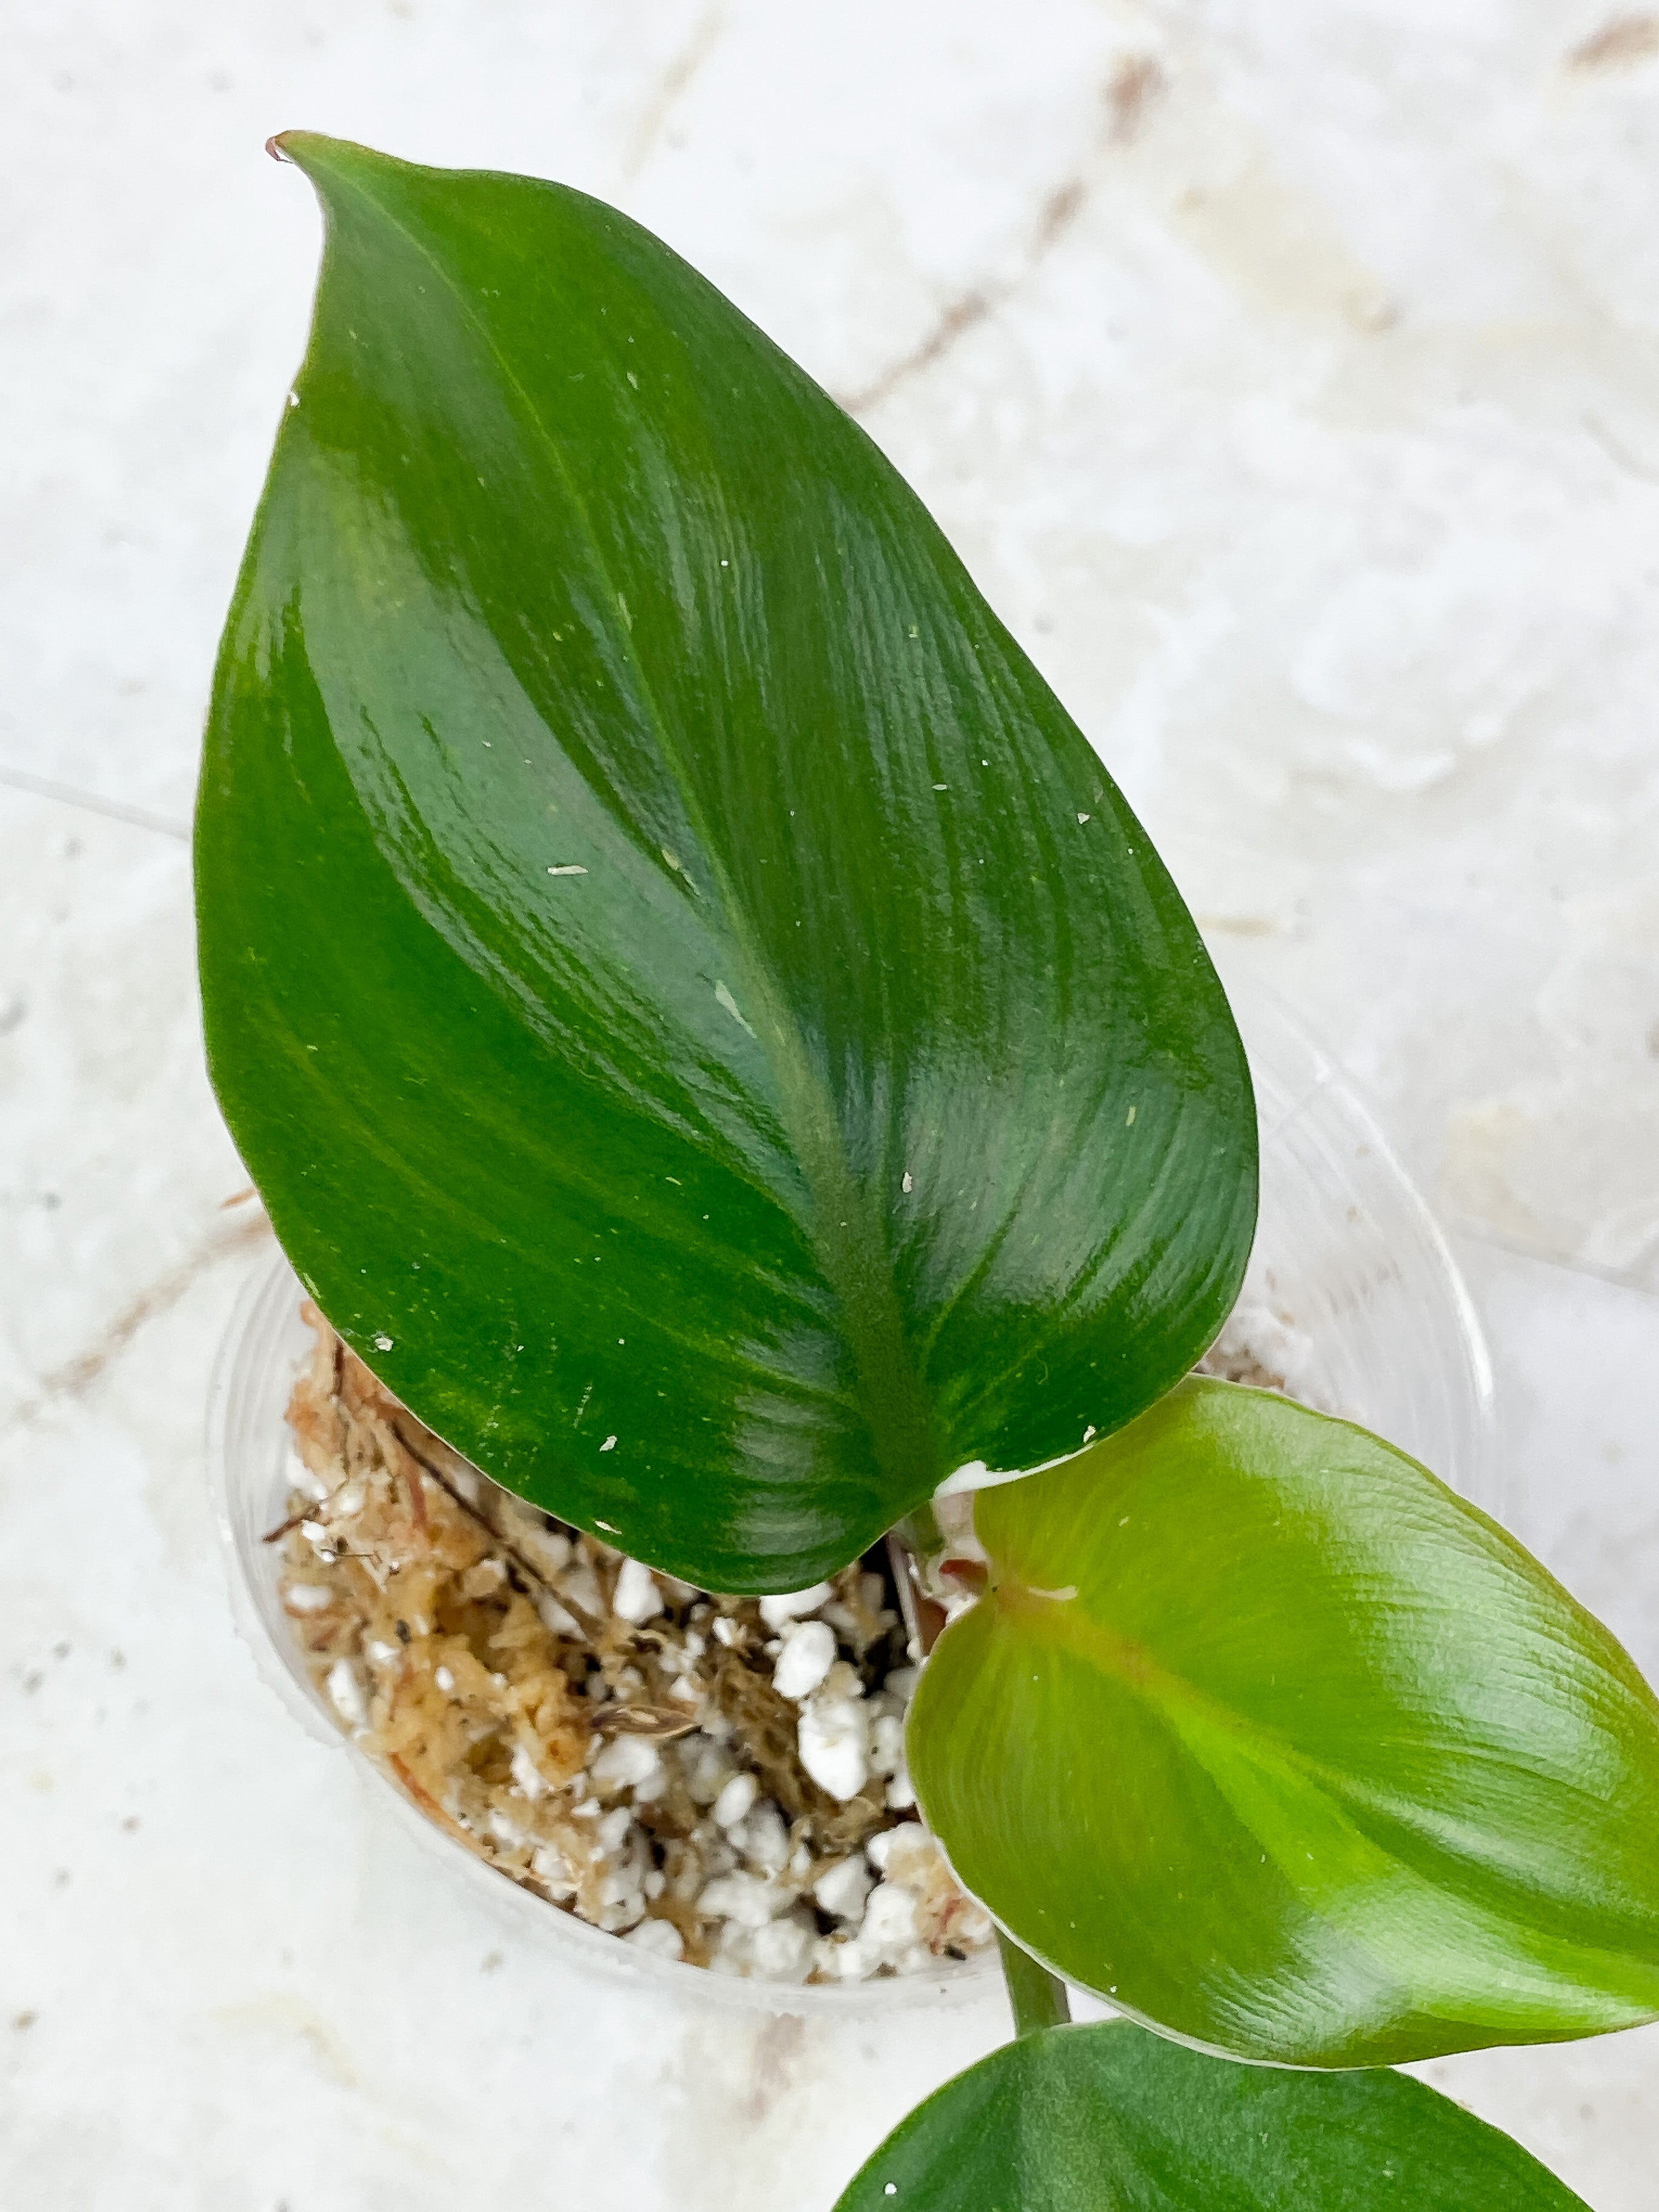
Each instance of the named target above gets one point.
<point>1271,1739</point>
<point>1109,2120</point>
<point>705,1027</point>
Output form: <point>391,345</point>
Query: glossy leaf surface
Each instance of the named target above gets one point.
<point>705,1027</point>
<point>1110,2119</point>
<point>1271,1739</point>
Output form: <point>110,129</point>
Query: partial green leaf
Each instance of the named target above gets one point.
<point>1266,1735</point>
<point>1109,2120</point>
<point>707,1030</point>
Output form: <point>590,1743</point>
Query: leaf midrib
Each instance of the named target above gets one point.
<point>1064,1622</point>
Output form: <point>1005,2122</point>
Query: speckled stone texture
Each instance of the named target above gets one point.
<point>1285,369</point>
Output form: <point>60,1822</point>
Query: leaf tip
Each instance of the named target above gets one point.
<point>305,150</point>
<point>322,158</point>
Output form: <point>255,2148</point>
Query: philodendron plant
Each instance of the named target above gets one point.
<point>713,1039</point>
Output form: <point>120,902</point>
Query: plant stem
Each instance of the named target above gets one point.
<point>1038,1997</point>
<point>921,1532</point>
<point>916,1542</point>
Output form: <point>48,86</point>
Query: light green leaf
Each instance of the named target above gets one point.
<point>1109,2120</point>
<point>704,1025</point>
<point>1268,1737</point>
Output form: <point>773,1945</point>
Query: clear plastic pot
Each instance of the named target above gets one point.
<point>252,1469</point>
<point>1352,1297</point>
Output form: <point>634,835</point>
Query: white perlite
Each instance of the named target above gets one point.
<point>735,1801</point>
<point>637,1597</point>
<point>720,1781</point>
<point>345,1692</point>
<point>843,1889</point>
<point>806,1657</point>
<point>834,1739</point>
<point>792,1604</point>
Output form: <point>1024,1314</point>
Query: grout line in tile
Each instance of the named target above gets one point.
<point>79,1374</point>
<point>90,802</point>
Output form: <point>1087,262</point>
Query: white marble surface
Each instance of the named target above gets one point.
<point>1285,370</point>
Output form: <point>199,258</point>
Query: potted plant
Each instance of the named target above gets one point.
<point>722,1055</point>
